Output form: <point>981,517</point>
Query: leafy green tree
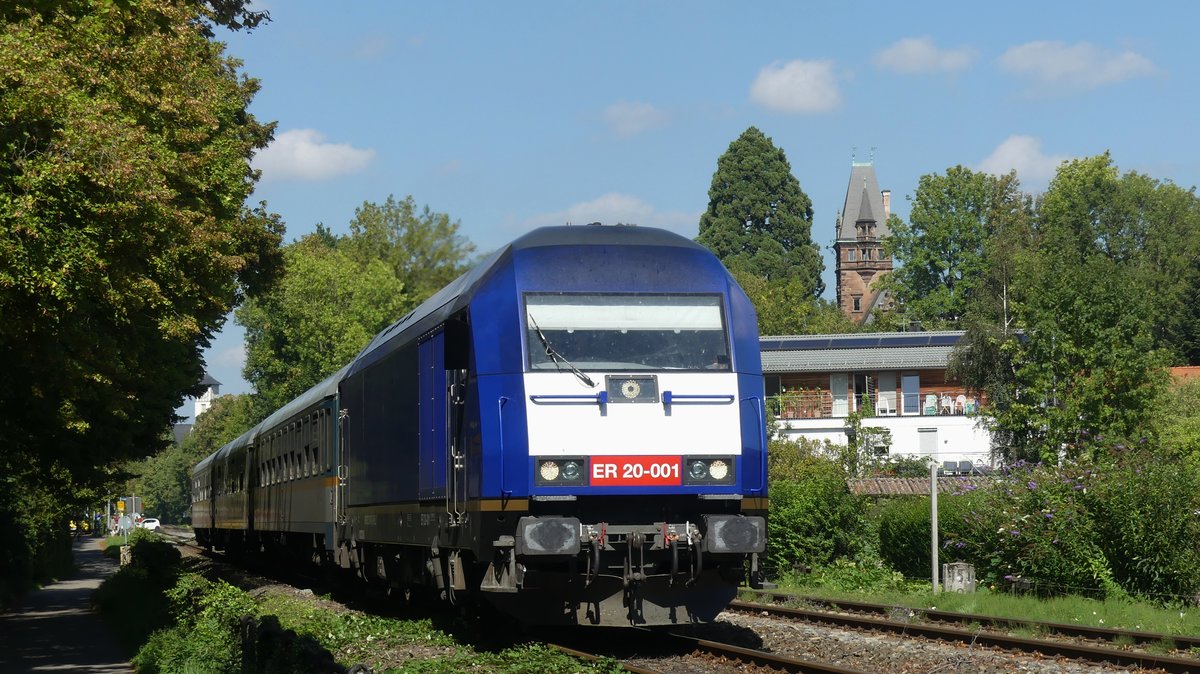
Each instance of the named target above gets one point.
<point>124,235</point>
<point>943,250</point>
<point>786,307</point>
<point>423,248</point>
<point>758,219</point>
<point>324,310</point>
<point>1169,259</point>
<point>163,479</point>
<point>1088,367</point>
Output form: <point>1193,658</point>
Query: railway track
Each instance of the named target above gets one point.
<point>718,656</point>
<point>841,614</point>
<point>1100,634</point>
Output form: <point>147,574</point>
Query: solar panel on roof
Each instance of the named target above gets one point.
<point>944,340</point>
<point>854,342</point>
<point>905,340</point>
<point>803,344</point>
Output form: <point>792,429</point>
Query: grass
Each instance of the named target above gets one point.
<point>176,620</point>
<point>1117,614</point>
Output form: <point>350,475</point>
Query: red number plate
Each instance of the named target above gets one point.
<point>621,471</point>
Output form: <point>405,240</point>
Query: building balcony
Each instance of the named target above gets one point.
<point>824,405</point>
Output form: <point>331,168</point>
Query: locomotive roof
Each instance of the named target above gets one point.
<point>449,300</point>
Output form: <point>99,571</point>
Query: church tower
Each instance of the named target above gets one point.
<point>861,260</point>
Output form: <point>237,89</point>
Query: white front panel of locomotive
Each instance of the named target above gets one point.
<point>570,426</point>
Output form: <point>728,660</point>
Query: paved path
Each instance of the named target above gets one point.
<point>54,629</point>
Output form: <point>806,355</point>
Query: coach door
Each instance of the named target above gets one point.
<point>457,359</point>
<point>431,414</point>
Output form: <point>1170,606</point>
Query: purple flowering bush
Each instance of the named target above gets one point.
<point>1031,529</point>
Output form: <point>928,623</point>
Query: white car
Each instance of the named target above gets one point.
<point>150,523</point>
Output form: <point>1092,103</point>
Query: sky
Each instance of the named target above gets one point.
<point>511,116</point>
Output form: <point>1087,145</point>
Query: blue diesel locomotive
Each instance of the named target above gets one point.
<point>573,430</point>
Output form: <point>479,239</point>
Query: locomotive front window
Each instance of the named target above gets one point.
<point>626,332</point>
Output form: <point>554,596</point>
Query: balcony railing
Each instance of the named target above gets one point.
<point>823,404</point>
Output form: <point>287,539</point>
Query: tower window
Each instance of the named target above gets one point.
<point>852,255</point>
<point>857,303</point>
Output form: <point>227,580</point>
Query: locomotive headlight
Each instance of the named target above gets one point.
<point>570,471</point>
<point>718,470</point>
<point>710,470</point>
<point>561,471</point>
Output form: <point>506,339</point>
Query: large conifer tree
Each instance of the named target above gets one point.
<point>758,219</point>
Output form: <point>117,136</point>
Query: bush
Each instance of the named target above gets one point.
<point>1030,529</point>
<point>154,553</point>
<point>904,532</point>
<point>206,635</point>
<point>814,519</point>
<point>1144,511</point>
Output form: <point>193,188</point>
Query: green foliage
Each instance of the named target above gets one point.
<point>1145,512</point>
<point>1085,279</point>
<point>37,545</point>
<point>1176,423</point>
<point>758,220</point>
<point>786,307</point>
<point>326,308</point>
<point>208,616</point>
<point>133,600</point>
<point>904,532</point>
<point>162,480</point>
<point>943,251</point>
<point>124,235</point>
<point>1032,529</point>
<point>423,248</point>
<point>814,518</point>
<point>847,576</point>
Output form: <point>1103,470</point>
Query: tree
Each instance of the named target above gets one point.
<point>758,220</point>
<point>1087,371</point>
<point>423,248</point>
<point>124,235</point>
<point>785,307</point>
<point>942,251</point>
<point>326,308</point>
<point>163,480</point>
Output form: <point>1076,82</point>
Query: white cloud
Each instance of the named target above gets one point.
<point>919,55</point>
<point>1079,66</point>
<point>1024,154</point>
<point>797,86</point>
<point>613,208</point>
<point>626,119</point>
<point>303,154</point>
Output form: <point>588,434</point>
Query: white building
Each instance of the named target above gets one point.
<point>814,382</point>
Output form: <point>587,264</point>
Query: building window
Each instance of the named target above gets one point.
<point>852,255</point>
<point>857,303</point>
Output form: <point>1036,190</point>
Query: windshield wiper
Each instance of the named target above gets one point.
<point>557,357</point>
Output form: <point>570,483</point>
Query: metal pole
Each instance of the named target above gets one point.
<point>933,523</point>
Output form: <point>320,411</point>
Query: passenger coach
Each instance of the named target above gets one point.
<point>574,430</point>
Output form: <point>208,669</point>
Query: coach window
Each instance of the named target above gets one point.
<point>627,332</point>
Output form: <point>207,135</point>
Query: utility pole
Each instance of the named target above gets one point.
<point>933,523</point>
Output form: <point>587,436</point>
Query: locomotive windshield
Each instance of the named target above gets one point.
<point>626,332</point>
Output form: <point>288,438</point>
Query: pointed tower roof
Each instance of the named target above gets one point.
<point>209,381</point>
<point>863,202</point>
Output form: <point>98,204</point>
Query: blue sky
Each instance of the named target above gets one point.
<point>509,116</point>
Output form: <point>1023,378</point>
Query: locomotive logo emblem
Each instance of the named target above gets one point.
<point>630,388</point>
